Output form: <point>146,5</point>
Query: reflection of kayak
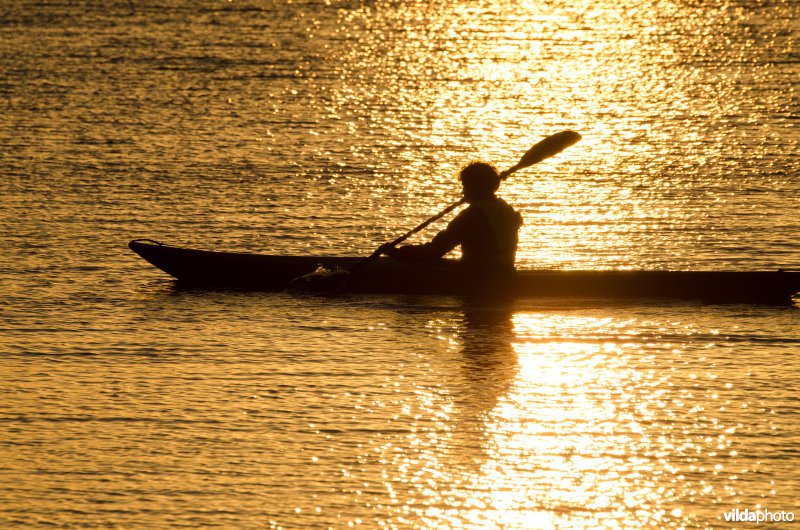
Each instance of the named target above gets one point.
<point>261,272</point>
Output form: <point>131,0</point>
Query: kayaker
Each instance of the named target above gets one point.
<point>487,229</point>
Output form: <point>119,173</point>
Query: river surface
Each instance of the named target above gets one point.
<point>328,127</point>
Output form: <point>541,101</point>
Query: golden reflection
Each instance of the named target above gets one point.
<point>563,431</point>
<point>547,433</point>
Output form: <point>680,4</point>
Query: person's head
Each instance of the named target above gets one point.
<point>479,181</point>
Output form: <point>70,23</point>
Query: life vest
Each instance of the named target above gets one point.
<point>505,223</point>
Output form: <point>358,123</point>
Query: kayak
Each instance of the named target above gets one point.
<point>261,272</point>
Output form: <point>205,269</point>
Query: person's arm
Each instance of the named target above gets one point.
<point>441,244</point>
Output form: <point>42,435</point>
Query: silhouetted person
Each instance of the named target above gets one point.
<point>487,229</point>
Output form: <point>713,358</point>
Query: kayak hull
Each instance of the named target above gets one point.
<point>209,269</point>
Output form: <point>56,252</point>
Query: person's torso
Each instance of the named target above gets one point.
<point>492,235</point>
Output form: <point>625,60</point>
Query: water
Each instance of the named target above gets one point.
<point>328,128</point>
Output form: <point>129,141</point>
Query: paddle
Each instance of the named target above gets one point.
<point>550,146</point>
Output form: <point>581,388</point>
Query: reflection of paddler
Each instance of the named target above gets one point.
<point>487,345</point>
<point>486,230</point>
<point>489,366</point>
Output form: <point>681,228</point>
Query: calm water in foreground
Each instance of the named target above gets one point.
<point>328,127</point>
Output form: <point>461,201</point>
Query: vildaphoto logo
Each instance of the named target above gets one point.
<point>758,516</point>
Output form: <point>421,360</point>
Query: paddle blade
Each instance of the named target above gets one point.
<point>552,145</point>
